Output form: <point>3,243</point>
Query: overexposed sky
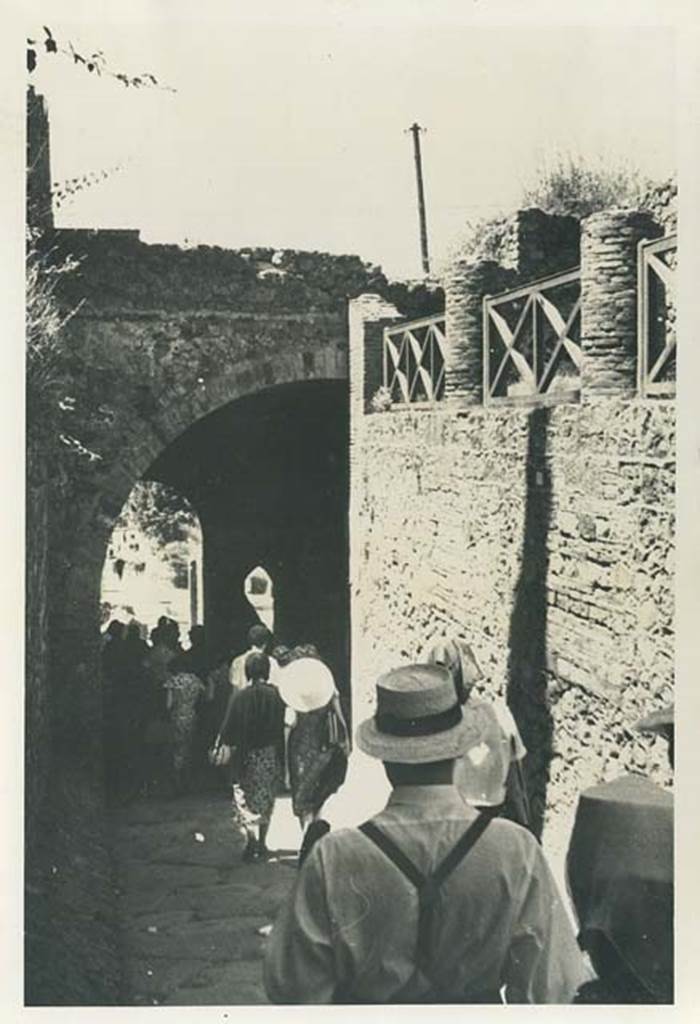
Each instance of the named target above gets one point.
<point>288,131</point>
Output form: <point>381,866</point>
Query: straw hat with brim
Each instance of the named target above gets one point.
<point>419,719</point>
<point>305,684</point>
<point>657,721</point>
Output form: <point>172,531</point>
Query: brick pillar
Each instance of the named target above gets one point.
<point>609,243</point>
<point>465,287</point>
<point>542,244</point>
<point>368,315</point>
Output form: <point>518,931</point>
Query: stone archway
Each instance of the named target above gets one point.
<point>76,622</point>
<point>163,338</point>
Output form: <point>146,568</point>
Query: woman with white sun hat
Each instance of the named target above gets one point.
<point>318,744</point>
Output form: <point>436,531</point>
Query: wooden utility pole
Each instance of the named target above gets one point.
<point>415,131</point>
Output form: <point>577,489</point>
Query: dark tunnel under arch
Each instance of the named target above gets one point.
<point>268,475</point>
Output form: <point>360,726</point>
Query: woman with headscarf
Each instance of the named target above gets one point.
<point>318,744</point>
<point>254,729</point>
<point>489,776</point>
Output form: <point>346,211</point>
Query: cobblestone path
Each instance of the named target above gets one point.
<point>190,909</point>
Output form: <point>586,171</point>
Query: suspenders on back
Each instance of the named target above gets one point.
<point>427,886</point>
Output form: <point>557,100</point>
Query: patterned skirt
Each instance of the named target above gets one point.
<point>316,768</point>
<point>258,784</point>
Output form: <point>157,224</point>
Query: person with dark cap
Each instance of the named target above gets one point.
<point>620,876</point>
<point>430,901</point>
<point>259,642</point>
<point>195,657</point>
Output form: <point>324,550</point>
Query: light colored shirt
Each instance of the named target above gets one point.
<point>237,677</point>
<point>350,923</point>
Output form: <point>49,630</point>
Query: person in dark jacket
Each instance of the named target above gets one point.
<point>620,876</point>
<point>254,729</point>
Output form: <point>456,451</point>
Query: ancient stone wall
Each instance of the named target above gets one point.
<point>548,541</point>
<point>544,534</point>
<point>535,243</point>
<point>120,271</point>
<point>609,246</point>
<point>37,695</point>
<point>661,201</point>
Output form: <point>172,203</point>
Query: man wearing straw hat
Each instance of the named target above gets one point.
<point>430,901</point>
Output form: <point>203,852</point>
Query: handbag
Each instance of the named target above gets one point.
<point>219,754</point>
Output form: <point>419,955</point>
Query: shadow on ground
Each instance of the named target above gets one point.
<point>190,909</point>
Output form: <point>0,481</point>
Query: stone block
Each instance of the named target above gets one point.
<point>586,526</point>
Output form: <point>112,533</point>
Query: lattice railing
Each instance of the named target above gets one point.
<point>656,320</point>
<point>414,361</point>
<point>532,346</point>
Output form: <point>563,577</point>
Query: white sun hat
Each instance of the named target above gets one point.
<point>306,684</point>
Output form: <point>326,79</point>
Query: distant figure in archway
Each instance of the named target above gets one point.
<point>114,631</point>
<point>184,689</point>
<point>158,735</point>
<point>171,633</point>
<point>195,656</point>
<point>195,661</point>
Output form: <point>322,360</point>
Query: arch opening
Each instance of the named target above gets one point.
<point>153,561</point>
<point>269,476</point>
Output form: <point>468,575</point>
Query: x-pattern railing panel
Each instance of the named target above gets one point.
<point>531,341</point>
<point>414,360</point>
<point>656,319</point>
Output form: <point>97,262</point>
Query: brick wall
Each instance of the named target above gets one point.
<point>543,534</point>
<point>578,613</point>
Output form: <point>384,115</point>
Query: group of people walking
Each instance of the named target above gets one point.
<point>272,721</point>
<point>156,710</point>
<point>445,895</point>
<point>284,726</point>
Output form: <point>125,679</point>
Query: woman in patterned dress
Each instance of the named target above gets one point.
<point>255,730</point>
<point>183,689</point>
<point>318,745</point>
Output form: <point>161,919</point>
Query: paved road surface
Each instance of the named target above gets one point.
<point>191,909</point>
